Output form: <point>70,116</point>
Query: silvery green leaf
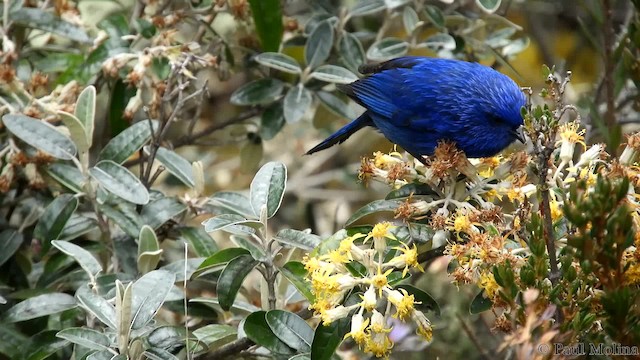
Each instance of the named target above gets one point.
<point>76,130</point>
<point>258,92</point>
<point>367,7</point>
<point>440,41</point>
<point>86,337</point>
<point>159,211</point>
<point>97,305</point>
<point>351,51</point>
<point>120,181</point>
<point>319,43</point>
<point>272,120</point>
<point>279,61</point>
<point>125,217</point>
<point>296,103</point>
<point>387,49</point>
<point>393,4</point>
<point>41,135</point>
<point>298,239</point>
<point>515,47</point>
<point>500,37</point>
<point>38,306</point>
<point>435,16</point>
<point>86,260</point>
<point>149,293</point>
<point>267,188</point>
<point>148,250</point>
<point>54,218</point>
<point>409,19</point>
<point>175,164</point>
<point>125,144</point>
<point>77,226</point>
<point>10,242</point>
<point>335,104</point>
<point>223,221</point>
<point>233,201</point>
<point>86,111</point>
<point>334,74</point>
<point>67,175</point>
<point>48,22</point>
<point>489,6</point>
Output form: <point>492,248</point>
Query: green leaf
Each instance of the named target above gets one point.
<point>427,302</point>
<point>41,135</point>
<point>295,272</point>
<point>367,7</point>
<point>86,111</point>
<point>67,175</point>
<point>38,306</point>
<point>176,165</point>
<point>290,329</point>
<point>159,354</point>
<point>125,217</point>
<point>327,339</point>
<point>120,181</point>
<point>440,41</point>
<point>480,304</point>
<point>126,143</point>
<point>145,28</point>
<point>219,258</point>
<point>43,345</point>
<point>86,337</point>
<point>296,103</point>
<point>12,341</point>
<point>233,201</point>
<point>351,51</point>
<point>319,43</point>
<point>334,74</point>
<point>335,105</point>
<point>435,16</point>
<point>411,189</point>
<point>77,226</point>
<point>48,22</point>
<point>410,19</point>
<point>489,6</point>
<point>258,92</point>
<point>158,212</point>
<point>210,334</point>
<point>279,61</point>
<point>76,130</point>
<point>271,121</point>
<point>202,244</point>
<point>149,293</point>
<point>166,336</point>
<point>87,261</point>
<point>267,188</point>
<point>54,218</point>
<point>298,239</point>
<point>257,329</point>
<point>10,242</point>
<point>183,269</point>
<point>387,49</point>
<point>257,252</point>
<point>267,17</point>
<point>102,309</point>
<point>223,221</point>
<point>231,279</point>
<point>148,250</point>
<point>372,208</point>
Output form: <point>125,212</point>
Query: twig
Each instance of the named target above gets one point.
<point>472,337</point>
<point>609,66</point>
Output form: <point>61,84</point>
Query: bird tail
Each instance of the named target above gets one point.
<point>344,133</point>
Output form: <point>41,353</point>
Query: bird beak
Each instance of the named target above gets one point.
<point>519,135</point>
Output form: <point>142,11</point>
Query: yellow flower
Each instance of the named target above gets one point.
<point>380,233</point>
<point>409,257</point>
<point>336,313</point>
<point>378,343</point>
<point>461,223</point>
<point>489,284</point>
<point>358,327</point>
<point>369,299</point>
<point>569,133</point>
<point>402,301</point>
<point>556,210</point>
<point>424,329</point>
<point>379,281</point>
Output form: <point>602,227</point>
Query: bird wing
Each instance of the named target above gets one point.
<point>397,93</point>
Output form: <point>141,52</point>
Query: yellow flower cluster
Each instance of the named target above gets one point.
<point>331,281</point>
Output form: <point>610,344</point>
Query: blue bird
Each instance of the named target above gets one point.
<point>417,102</point>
